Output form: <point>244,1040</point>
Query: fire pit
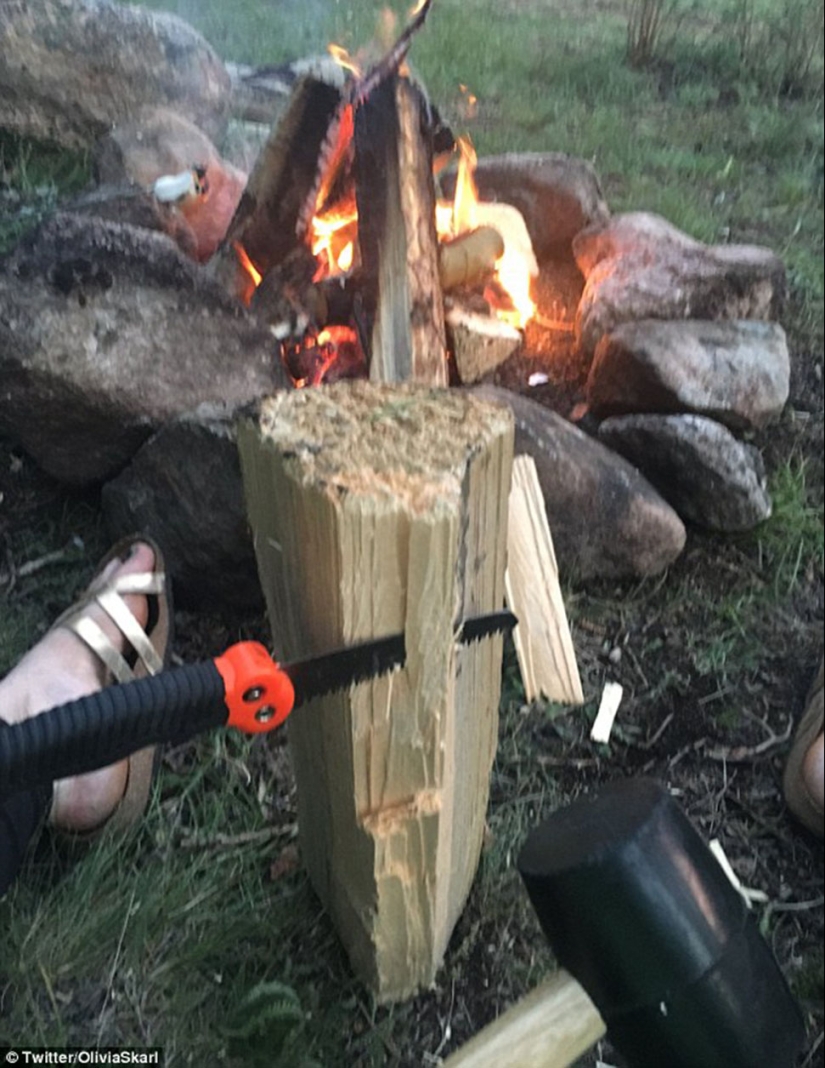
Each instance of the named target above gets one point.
<point>355,251</point>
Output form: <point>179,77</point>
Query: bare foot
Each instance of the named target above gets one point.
<point>62,668</point>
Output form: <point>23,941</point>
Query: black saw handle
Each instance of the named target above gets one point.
<point>109,725</point>
<point>243,688</point>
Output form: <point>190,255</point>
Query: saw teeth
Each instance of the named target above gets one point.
<point>479,627</point>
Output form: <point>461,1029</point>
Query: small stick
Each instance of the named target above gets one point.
<point>748,895</point>
<point>31,567</point>
<point>555,324</point>
<point>229,841</point>
<point>740,754</point>
<point>663,726</point>
<point>359,89</point>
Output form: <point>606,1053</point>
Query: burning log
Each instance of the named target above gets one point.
<point>470,259</point>
<point>264,225</point>
<point>377,510</point>
<point>395,194</point>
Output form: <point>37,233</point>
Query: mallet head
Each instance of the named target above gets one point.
<point>639,911</point>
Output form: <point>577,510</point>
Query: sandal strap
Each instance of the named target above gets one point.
<point>110,599</point>
<point>98,641</point>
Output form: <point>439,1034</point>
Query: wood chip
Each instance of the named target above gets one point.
<point>609,706</point>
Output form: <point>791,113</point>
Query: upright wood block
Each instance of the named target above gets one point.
<point>375,510</point>
<point>395,193</point>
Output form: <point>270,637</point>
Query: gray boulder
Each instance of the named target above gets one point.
<point>736,372</point>
<point>71,69</point>
<point>710,477</point>
<point>107,332</point>
<point>607,521</point>
<point>184,488</point>
<point>639,266</point>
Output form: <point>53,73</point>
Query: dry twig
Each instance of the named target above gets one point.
<point>31,567</point>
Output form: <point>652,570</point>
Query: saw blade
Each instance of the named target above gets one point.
<point>338,670</point>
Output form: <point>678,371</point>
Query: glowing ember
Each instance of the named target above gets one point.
<point>331,354</point>
<point>469,103</point>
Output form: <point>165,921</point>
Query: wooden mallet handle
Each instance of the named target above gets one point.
<point>549,1028</point>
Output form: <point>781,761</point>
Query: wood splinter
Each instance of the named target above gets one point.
<point>543,642</point>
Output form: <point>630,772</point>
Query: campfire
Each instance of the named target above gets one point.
<point>371,239</point>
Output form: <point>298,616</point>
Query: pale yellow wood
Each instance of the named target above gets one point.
<point>479,343</point>
<point>549,1028</point>
<point>544,645</point>
<point>375,510</point>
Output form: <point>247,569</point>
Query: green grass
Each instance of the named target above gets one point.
<point>31,179</point>
<point>199,948</point>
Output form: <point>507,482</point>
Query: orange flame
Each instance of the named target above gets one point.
<point>466,212</point>
<point>253,275</point>
<point>333,241</point>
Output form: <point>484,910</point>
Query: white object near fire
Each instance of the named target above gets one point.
<point>748,895</point>
<point>609,706</point>
<point>170,188</point>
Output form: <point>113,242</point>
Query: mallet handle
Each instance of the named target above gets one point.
<point>549,1028</point>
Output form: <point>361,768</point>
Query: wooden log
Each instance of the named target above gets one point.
<point>542,638</point>
<point>470,259</point>
<point>266,219</point>
<point>395,194</point>
<point>376,510</point>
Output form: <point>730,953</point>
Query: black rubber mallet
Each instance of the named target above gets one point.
<point>655,944</point>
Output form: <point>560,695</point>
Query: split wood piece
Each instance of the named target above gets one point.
<point>479,343</point>
<point>549,1028</point>
<point>265,221</point>
<point>378,509</point>
<point>542,638</point>
<point>395,194</point>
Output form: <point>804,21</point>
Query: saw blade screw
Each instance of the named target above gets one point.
<point>265,714</point>
<point>254,693</point>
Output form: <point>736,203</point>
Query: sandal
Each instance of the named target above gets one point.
<point>145,653</point>
<point>800,801</point>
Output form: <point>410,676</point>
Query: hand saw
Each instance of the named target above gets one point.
<point>243,688</point>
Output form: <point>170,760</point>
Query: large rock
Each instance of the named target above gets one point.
<point>639,266</point>
<point>71,69</point>
<point>558,195</point>
<point>184,488</point>
<point>736,372</point>
<point>159,142</point>
<point>106,333</point>
<point>154,141</point>
<point>708,475</point>
<point>606,520</point>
